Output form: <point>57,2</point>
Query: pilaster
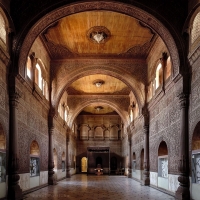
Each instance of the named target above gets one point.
<point>14,190</point>
<point>68,175</point>
<point>51,179</point>
<point>146,179</point>
<point>183,192</point>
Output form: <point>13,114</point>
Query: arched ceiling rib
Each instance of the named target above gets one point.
<point>132,11</point>
<point>76,111</point>
<point>61,84</point>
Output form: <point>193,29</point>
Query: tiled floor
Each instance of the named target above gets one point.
<point>83,187</point>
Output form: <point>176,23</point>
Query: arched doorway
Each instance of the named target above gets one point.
<point>163,165</point>
<point>196,156</point>
<point>84,164</point>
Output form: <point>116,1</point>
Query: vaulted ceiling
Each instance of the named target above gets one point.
<point>98,34</point>
<point>124,33</point>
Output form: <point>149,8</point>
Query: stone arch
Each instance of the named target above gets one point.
<point>66,10</point>
<point>8,26</point>
<point>161,139</point>
<point>162,149</point>
<point>34,148</point>
<point>188,26</point>
<point>164,140</point>
<point>120,74</point>
<point>123,115</point>
<point>195,142</point>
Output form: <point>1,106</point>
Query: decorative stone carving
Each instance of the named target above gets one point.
<point>154,178</point>
<point>123,8</point>
<point>43,177</point>
<point>2,97</point>
<point>173,182</point>
<point>24,181</point>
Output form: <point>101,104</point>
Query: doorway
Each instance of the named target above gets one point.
<point>84,164</point>
<point>99,161</point>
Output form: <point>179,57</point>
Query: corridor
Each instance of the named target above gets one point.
<point>82,187</point>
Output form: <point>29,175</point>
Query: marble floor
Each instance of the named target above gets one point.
<point>83,187</point>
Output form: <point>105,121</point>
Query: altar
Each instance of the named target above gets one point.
<point>98,170</point>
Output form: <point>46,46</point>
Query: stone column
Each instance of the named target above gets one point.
<point>183,192</point>
<point>51,179</point>
<point>130,160</point>
<point>14,190</point>
<point>146,180</point>
<point>68,175</point>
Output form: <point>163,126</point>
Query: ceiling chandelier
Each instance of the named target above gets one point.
<point>98,108</point>
<point>98,37</point>
<point>98,83</point>
<point>98,34</point>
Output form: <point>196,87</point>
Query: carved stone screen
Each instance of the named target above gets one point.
<point>163,167</point>
<point>2,167</point>
<point>196,168</point>
<point>63,166</point>
<point>34,166</point>
<point>134,165</point>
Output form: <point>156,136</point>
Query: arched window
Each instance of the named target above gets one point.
<point>168,68</point>
<point>2,28</point>
<point>163,165</point>
<point>195,28</point>
<point>34,159</point>
<point>66,112</point>
<point>55,160</point>
<point>158,76</point>
<point>38,76</point>
<point>61,110</point>
<point>131,114</point>
<point>29,67</point>
<point>45,90</point>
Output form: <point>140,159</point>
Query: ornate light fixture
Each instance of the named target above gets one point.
<point>98,108</point>
<point>98,34</point>
<point>98,83</point>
